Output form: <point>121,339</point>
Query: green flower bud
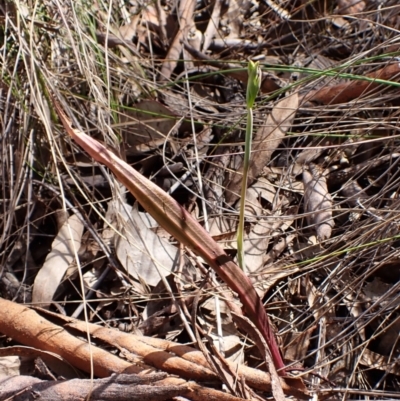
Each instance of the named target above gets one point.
<point>253,83</point>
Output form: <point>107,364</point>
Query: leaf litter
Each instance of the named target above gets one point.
<point>321,217</point>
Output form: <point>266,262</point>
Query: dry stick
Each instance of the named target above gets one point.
<point>152,356</point>
<point>199,393</point>
<point>184,228</point>
<point>346,92</point>
<point>142,346</point>
<point>118,387</point>
<point>27,327</point>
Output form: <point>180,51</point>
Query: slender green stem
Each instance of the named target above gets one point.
<point>246,165</point>
<point>253,86</point>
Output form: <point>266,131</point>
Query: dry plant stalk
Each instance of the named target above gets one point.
<point>184,228</point>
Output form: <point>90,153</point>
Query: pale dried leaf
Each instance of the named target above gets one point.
<point>264,189</point>
<point>234,16</point>
<point>230,341</point>
<point>150,17</point>
<point>141,251</point>
<point>373,360</point>
<point>128,31</point>
<point>213,23</point>
<point>257,240</point>
<point>195,39</point>
<point>255,246</point>
<point>278,248</point>
<point>273,274</point>
<point>253,208</point>
<point>270,222</point>
<point>318,202</point>
<point>185,23</point>
<point>307,156</point>
<point>268,137</point>
<point>28,355</point>
<point>9,366</point>
<point>62,254</point>
<point>342,23</point>
<point>221,225</point>
<point>265,223</point>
